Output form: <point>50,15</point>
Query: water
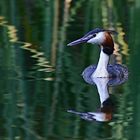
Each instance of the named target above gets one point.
<point>41,77</point>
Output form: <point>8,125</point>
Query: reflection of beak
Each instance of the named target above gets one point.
<point>91,116</point>
<point>79,41</point>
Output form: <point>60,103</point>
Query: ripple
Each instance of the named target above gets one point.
<point>41,60</point>
<point>121,40</point>
<point>121,46</point>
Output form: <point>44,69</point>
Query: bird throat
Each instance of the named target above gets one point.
<point>101,70</point>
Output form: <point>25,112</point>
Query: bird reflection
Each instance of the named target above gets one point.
<point>105,112</point>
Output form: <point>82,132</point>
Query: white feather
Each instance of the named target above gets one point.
<point>99,39</point>
<point>101,70</point>
<point>102,87</point>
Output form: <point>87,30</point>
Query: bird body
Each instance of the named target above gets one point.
<point>104,39</point>
<point>118,74</point>
<point>102,75</point>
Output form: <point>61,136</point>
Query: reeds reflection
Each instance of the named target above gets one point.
<point>108,18</point>
<point>33,38</point>
<point>41,61</point>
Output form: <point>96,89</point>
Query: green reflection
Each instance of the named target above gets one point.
<point>40,76</point>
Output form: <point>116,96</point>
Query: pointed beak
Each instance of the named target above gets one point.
<point>78,41</point>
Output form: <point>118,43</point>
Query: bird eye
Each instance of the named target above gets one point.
<point>94,35</point>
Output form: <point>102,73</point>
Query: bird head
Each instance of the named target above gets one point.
<point>99,37</point>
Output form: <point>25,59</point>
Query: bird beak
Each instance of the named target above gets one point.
<point>78,41</point>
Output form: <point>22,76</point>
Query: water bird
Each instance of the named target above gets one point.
<point>102,38</point>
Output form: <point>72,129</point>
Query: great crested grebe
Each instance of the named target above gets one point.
<point>104,39</point>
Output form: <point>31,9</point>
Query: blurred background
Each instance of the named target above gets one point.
<point>41,77</point>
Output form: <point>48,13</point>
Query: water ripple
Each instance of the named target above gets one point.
<point>121,47</point>
<point>121,41</point>
<point>42,62</point>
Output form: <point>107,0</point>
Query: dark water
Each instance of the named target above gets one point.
<point>41,77</point>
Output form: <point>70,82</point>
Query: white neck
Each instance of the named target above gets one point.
<point>101,70</point>
<point>102,88</point>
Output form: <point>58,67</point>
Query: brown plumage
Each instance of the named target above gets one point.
<point>108,44</point>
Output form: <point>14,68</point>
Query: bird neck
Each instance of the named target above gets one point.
<point>102,88</point>
<point>101,70</point>
<point>103,61</point>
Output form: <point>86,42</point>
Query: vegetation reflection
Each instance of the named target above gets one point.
<point>40,76</point>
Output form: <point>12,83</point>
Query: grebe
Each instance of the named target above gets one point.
<point>104,113</point>
<point>104,39</point>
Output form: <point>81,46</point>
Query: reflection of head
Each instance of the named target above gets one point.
<point>107,106</point>
<point>105,112</point>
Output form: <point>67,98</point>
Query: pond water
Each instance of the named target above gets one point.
<point>41,84</point>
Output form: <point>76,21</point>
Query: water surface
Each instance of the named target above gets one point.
<point>41,77</point>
